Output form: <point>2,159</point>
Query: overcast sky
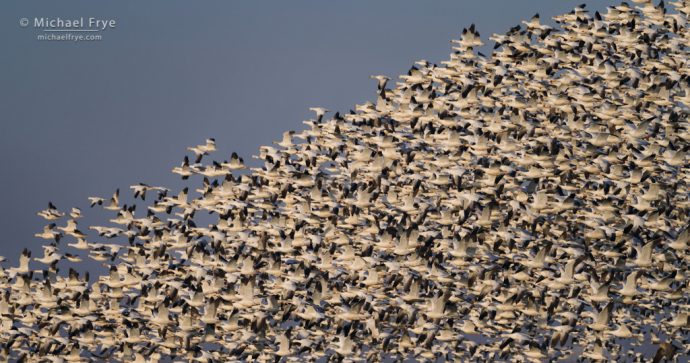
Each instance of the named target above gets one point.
<point>82,119</point>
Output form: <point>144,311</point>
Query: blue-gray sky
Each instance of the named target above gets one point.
<point>82,119</point>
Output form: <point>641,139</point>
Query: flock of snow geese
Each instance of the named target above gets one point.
<point>531,205</point>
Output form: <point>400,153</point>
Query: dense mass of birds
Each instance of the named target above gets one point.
<point>528,206</point>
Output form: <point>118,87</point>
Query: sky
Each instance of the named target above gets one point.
<point>80,119</point>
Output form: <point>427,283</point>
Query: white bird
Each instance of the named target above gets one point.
<point>320,112</point>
